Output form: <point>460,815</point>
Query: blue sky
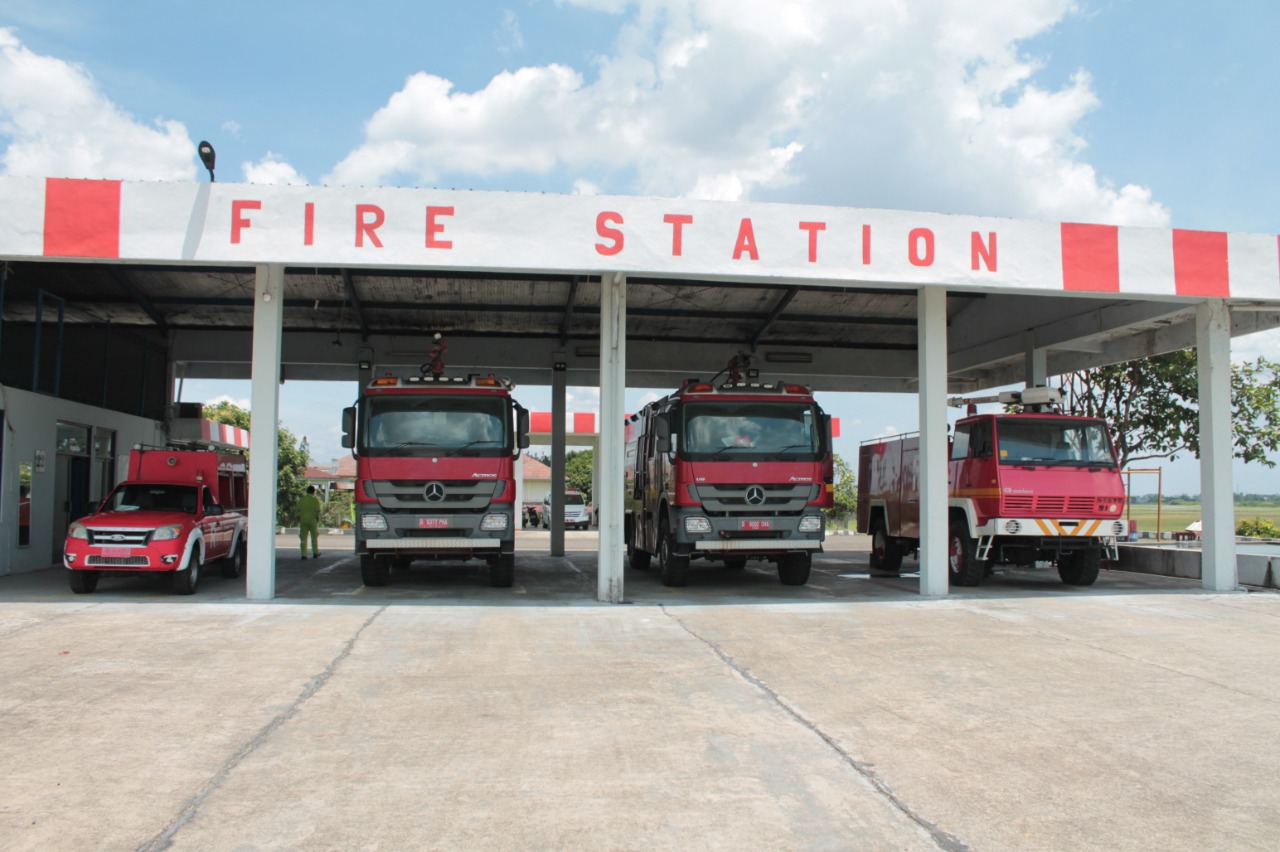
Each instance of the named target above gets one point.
<point>1094,110</point>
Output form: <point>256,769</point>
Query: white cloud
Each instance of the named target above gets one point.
<point>927,105</point>
<point>510,36</point>
<point>272,169</point>
<point>231,127</point>
<point>58,124</point>
<point>221,398</point>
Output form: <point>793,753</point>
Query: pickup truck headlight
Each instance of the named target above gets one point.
<point>167,533</point>
<point>811,523</point>
<point>376,523</point>
<point>78,530</point>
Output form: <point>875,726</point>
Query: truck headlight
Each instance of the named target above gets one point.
<point>376,523</point>
<point>78,530</point>
<point>811,523</point>
<point>1012,527</point>
<point>167,533</point>
<point>697,525</point>
<point>494,523</point>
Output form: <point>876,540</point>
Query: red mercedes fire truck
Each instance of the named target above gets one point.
<point>1024,486</point>
<point>435,471</point>
<point>728,472</point>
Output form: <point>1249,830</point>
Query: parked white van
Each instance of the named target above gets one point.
<point>576,513</point>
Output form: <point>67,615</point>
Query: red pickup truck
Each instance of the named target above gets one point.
<point>177,511</point>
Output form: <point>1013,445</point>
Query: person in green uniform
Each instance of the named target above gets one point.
<point>309,521</point>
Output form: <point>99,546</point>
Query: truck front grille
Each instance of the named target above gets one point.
<point>118,561</point>
<point>1038,505</point>
<point>455,495</point>
<point>779,498</point>
<point>119,537</point>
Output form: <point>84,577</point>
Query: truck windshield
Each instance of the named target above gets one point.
<point>1045,441</point>
<point>772,430</point>
<point>163,498</point>
<point>453,425</point>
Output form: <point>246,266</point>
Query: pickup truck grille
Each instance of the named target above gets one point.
<point>779,497</point>
<point>459,495</point>
<point>139,561</point>
<point>119,537</point>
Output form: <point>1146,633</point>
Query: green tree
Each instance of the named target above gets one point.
<point>1257,528</point>
<point>292,462</point>
<point>1152,406</point>
<point>845,494</point>
<point>577,472</point>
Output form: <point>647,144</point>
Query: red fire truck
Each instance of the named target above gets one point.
<point>1031,485</point>
<point>730,472</point>
<point>177,511</point>
<point>435,471</point>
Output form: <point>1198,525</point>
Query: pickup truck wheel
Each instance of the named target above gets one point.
<point>737,563</point>
<point>186,580</point>
<point>502,571</point>
<point>83,582</point>
<point>674,567</point>
<point>233,565</point>
<point>794,568</point>
<point>962,563</point>
<point>1080,567</point>
<point>886,552</point>
<point>374,571</point>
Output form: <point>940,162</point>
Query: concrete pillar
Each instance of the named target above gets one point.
<point>1213,357</point>
<point>931,311</point>
<point>1037,364</point>
<point>613,393</point>
<point>264,404</point>
<point>559,378</point>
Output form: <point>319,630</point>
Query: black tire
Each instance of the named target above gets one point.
<point>886,551</point>
<point>233,565</point>
<point>736,563</point>
<point>83,582</point>
<point>502,571</point>
<point>374,571</point>
<point>794,568</point>
<point>674,566</point>
<point>638,558</point>
<point>186,581</point>
<point>1080,567</point>
<point>962,563</point>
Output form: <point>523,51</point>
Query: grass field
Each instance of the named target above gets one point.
<point>1177,517</point>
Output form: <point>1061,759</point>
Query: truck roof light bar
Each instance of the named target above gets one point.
<point>385,381</point>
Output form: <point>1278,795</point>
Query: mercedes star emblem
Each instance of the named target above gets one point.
<point>434,492</point>
<point>755,495</point>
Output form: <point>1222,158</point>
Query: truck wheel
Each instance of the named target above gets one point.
<point>374,571</point>
<point>233,565</point>
<point>502,571</point>
<point>886,552</point>
<point>186,580</point>
<point>963,565</point>
<point>737,563</point>
<point>674,567</point>
<point>1080,567</point>
<point>638,558</point>
<point>83,582</point>
<point>793,570</point>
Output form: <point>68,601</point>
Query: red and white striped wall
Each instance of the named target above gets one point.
<point>583,423</point>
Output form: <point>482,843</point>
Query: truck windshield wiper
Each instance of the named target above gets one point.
<point>783,450</point>
<point>457,451</point>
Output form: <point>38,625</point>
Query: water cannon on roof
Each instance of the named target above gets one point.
<point>1030,399</point>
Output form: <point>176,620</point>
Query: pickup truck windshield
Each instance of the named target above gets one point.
<point>785,431</point>
<point>163,498</point>
<point>1046,441</point>
<point>426,425</point>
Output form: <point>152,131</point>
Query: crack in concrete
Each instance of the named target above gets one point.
<point>164,838</point>
<point>944,840</point>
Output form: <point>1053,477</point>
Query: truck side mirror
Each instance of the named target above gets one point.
<point>522,427</point>
<point>348,428</point>
<point>662,431</point>
<point>826,431</point>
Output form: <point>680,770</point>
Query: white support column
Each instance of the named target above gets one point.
<point>1037,364</point>
<point>264,405</point>
<point>1213,356</point>
<point>931,312</point>
<point>613,393</point>
<point>556,522</point>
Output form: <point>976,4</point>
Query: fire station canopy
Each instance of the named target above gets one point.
<point>826,295</point>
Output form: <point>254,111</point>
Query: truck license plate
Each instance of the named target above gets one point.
<point>754,526</point>
<point>433,523</point>
<point>115,551</point>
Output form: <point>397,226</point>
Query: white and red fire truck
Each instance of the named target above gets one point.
<point>1025,486</point>
<point>177,511</point>
<point>728,472</point>
<point>435,471</point>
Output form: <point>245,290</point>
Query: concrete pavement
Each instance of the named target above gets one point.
<point>735,713</point>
